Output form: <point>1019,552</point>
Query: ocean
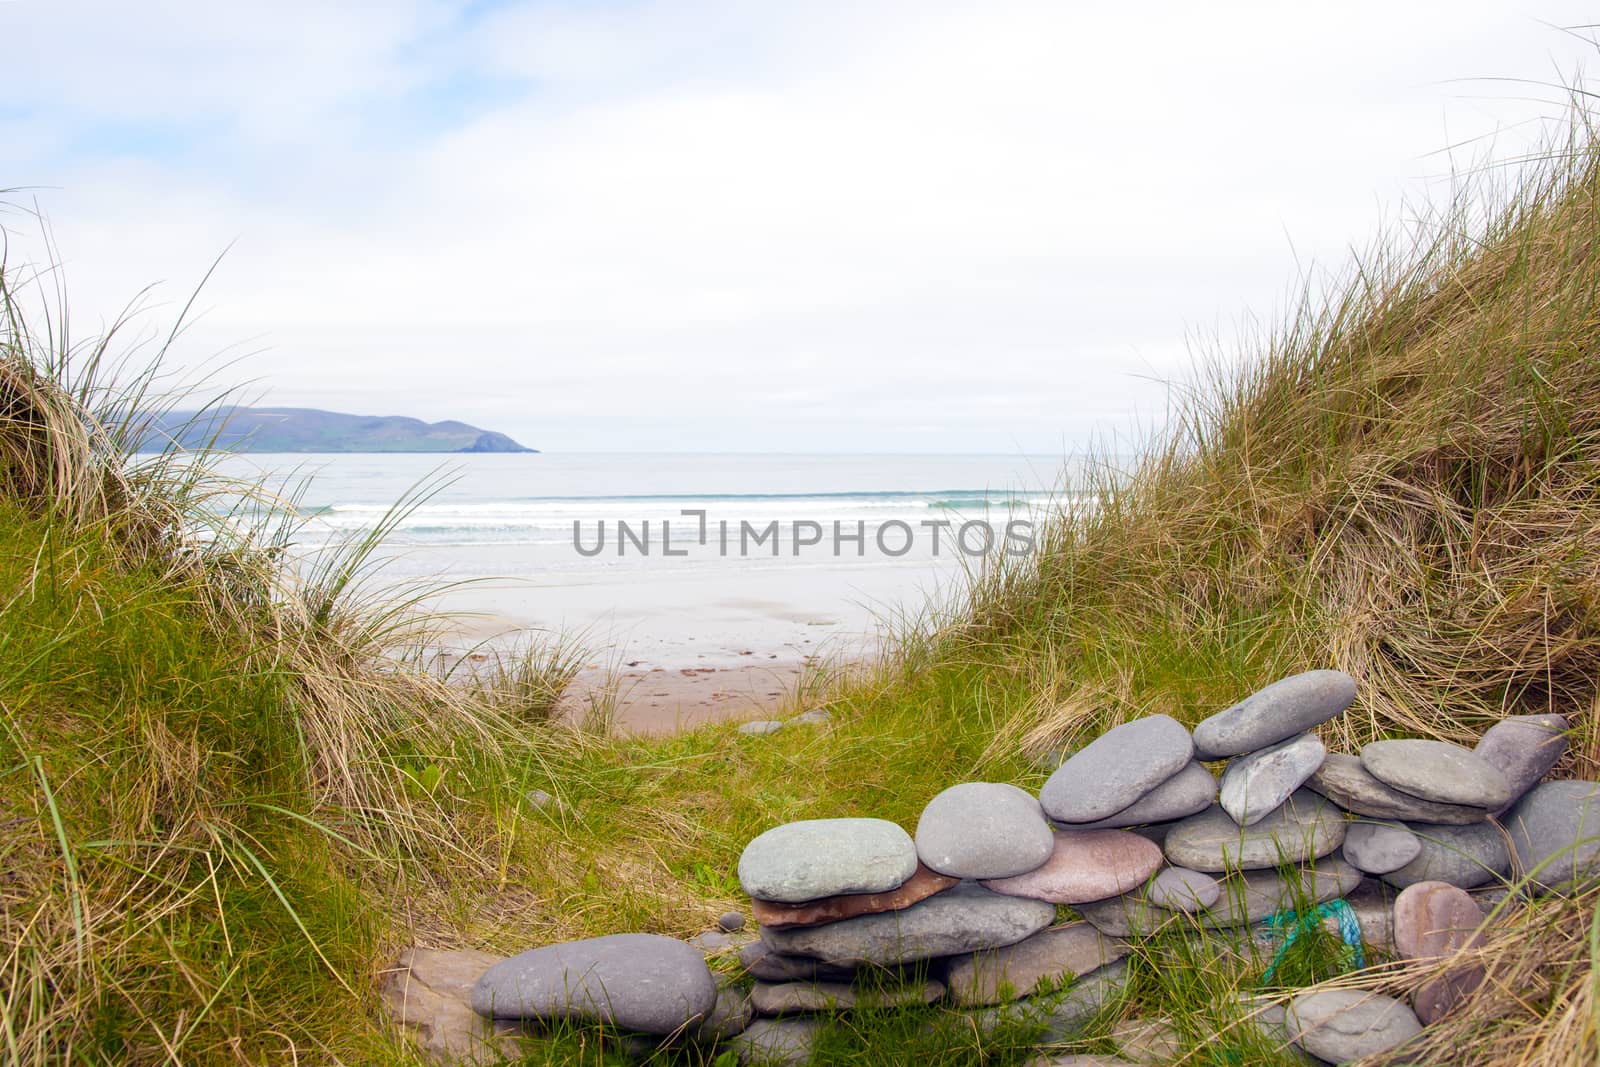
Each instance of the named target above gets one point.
<point>678,557</point>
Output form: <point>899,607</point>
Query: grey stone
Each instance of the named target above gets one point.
<point>1061,1018</point>
<point>1076,1059</point>
<point>760,727</point>
<point>1154,1041</point>
<point>983,830</point>
<point>1251,896</point>
<point>1373,903</point>
<point>964,919</point>
<point>728,1017</point>
<point>787,998</point>
<point>1339,1025</point>
<point>1380,847</point>
<point>997,975</point>
<point>1287,707</point>
<point>1116,769</point>
<point>759,961</point>
<point>814,717</point>
<point>642,982</point>
<point>1343,780</point>
<point>1180,889</point>
<point>777,1042</point>
<point>718,940</point>
<point>1555,831</point>
<point>1464,856</point>
<point>731,921</point>
<point>1437,771</point>
<point>1524,748</point>
<point>538,799</point>
<point>1304,827</point>
<point>1191,790</point>
<point>1243,898</point>
<point>816,858</point>
<point>1256,784</point>
<point>1269,1019</point>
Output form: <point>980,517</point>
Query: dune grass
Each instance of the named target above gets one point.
<point>225,805</point>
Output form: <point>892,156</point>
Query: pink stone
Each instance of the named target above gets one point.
<point>1084,866</point>
<point>1433,920</point>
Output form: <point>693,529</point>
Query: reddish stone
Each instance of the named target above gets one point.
<point>1433,920</point>
<point>1086,865</point>
<point>921,885</point>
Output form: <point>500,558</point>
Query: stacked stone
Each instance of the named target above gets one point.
<point>1133,832</point>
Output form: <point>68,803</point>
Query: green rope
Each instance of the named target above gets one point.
<point>1295,924</point>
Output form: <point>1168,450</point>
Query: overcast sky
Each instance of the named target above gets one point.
<point>754,226</point>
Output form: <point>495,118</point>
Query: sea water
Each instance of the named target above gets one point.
<point>678,556</point>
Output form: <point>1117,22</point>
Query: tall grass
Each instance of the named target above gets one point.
<point>214,781</point>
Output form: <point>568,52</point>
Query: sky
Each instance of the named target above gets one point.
<point>749,226</point>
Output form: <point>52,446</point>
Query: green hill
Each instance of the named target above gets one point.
<point>241,429</point>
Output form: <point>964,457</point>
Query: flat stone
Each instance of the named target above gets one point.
<point>642,982</point>
<point>1433,920</point>
<point>1243,898</point>
<point>1191,790</point>
<point>1524,748</point>
<point>1304,827</point>
<point>777,1042</point>
<point>790,998</point>
<point>1060,1019</point>
<point>1269,1018</point>
<point>1464,856</point>
<point>1086,865</point>
<point>816,858</point>
<point>711,941</point>
<point>983,830</point>
<point>1180,889</point>
<point>1339,1025</point>
<point>728,1017</point>
<point>1380,847</point>
<point>1437,771</point>
<point>1076,1059</point>
<point>1256,784</point>
<point>760,727</point>
<point>1343,780</point>
<point>427,993</point>
<point>998,975</point>
<point>1116,769</point>
<point>964,919</point>
<point>760,962</point>
<point>922,885</point>
<point>1373,904</point>
<point>814,717</point>
<point>1153,1041</point>
<point>731,921</point>
<point>1287,707</point>
<point>1555,831</point>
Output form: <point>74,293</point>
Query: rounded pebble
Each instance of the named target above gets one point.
<point>1117,768</point>
<point>1287,707</point>
<point>801,861</point>
<point>1380,847</point>
<point>1086,865</point>
<point>983,830</point>
<point>1437,771</point>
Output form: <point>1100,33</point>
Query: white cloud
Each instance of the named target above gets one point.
<point>757,226</point>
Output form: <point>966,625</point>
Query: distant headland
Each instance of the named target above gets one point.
<point>241,429</point>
